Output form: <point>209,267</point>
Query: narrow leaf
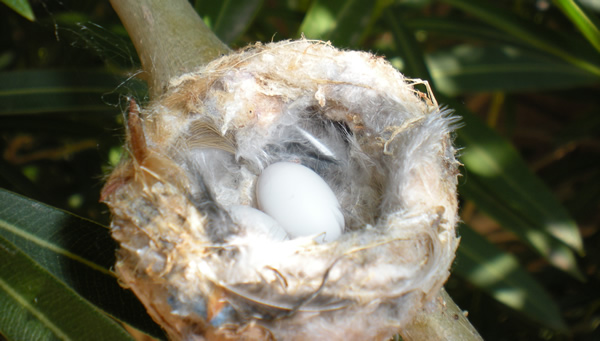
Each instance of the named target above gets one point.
<point>495,167</point>
<point>73,250</point>
<point>466,29</point>
<point>22,7</point>
<point>499,274</point>
<point>524,30</point>
<point>407,47</point>
<point>556,252</point>
<point>582,20</point>
<point>36,306</point>
<point>469,68</point>
<point>228,19</point>
<point>344,22</point>
<point>50,91</point>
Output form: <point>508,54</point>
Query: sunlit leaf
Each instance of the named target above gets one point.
<point>20,6</point>
<point>526,31</point>
<point>502,63</point>
<point>344,22</point>
<point>582,20</point>
<point>510,193</point>
<point>556,252</point>
<point>500,183</point>
<point>468,68</point>
<point>34,305</point>
<point>499,274</point>
<point>75,251</point>
<point>228,19</point>
<point>407,47</point>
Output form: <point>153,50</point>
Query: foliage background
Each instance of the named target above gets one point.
<point>524,74</point>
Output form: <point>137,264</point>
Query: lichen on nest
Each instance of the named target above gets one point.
<point>384,148</point>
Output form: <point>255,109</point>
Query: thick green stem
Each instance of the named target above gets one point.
<point>170,38</point>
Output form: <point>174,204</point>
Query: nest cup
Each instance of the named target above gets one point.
<point>384,148</point>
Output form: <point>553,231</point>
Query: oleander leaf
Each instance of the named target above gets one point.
<point>499,182</point>
<point>40,91</point>
<point>529,33</point>
<point>228,19</point>
<point>470,68</point>
<point>22,7</point>
<point>584,21</point>
<point>77,253</point>
<point>343,22</point>
<point>499,274</point>
<point>35,305</point>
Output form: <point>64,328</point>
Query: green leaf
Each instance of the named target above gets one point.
<point>584,21</point>
<point>34,305</point>
<point>500,183</point>
<point>344,22</point>
<point>22,7</point>
<point>466,29</point>
<point>469,68</point>
<point>556,252</point>
<point>499,274</point>
<point>228,19</point>
<point>509,192</point>
<point>75,251</point>
<point>28,92</point>
<point>407,47</point>
<point>526,31</point>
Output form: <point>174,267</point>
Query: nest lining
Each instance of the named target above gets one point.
<point>383,148</point>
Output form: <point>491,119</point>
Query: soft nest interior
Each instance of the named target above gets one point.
<point>303,135</point>
<point>384,159</point>
<point>366,150</point>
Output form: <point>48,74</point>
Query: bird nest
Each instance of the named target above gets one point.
<point>384,149</point>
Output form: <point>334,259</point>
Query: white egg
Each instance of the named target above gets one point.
<point>256,222</point>
<point>300,201</point>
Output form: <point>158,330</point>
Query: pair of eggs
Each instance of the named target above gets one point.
<point>296,202</point>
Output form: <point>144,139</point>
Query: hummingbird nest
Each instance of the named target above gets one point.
<point>383,147</point>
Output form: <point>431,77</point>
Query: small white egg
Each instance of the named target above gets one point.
<point>256,222</point>
<point>300,201</point>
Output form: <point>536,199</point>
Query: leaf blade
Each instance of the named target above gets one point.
<point>344,23</point>
<point>556,252</point>
<point>496,163</point>
<point>471,69</point>
<point>582,21</point>
<point>75,251</point>
<point>499,274</point>
<point>31,92</point>
<point>47,309</point>
<point>228,19</point>
<point>407,47</point>
<point>22,7</point>
<point>532,222</point>
<point>525,31</point>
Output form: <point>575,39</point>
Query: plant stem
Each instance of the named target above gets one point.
<point>170,38</point>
